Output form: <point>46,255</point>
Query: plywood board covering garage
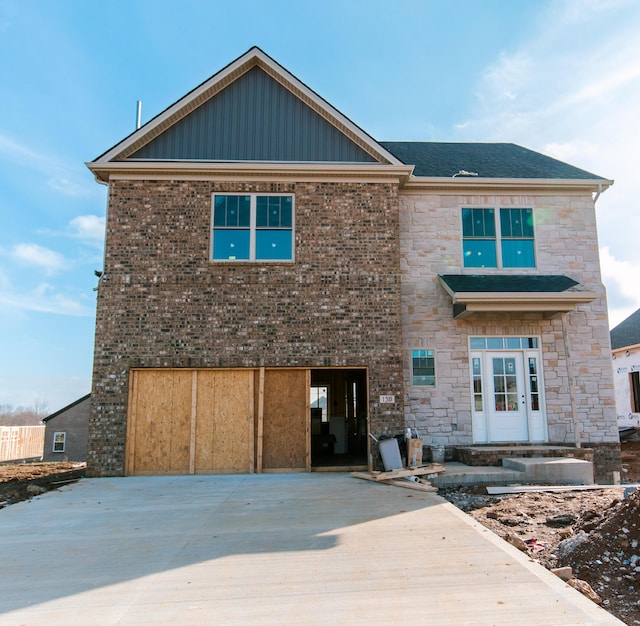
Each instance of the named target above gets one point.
<point>160,427</point>
<point>286,410</point>
<point>224,421</point>
<point>190,421</point>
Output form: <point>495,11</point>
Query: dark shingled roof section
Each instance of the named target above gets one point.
<point>626,333</point>
<point>487,160</point>
<point>66,408</point>
<point>465,283</point>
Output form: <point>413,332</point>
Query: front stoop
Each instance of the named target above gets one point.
<point>460,475</point>
<point>488,455</point>
<point>552,470</point>
<point>514,464</point>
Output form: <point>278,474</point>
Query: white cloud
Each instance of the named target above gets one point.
<point>66,187</point>
<point>32,254</point>
<point>42,299</point>
<point>572,90</point>
<point>621,279</point>
<point>89,229</point>
<point>60,178</point>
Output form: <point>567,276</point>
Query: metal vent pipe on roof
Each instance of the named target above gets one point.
<point>138,113</point>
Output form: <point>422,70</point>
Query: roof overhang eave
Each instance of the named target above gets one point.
<point>104,171</point>
<point>469,183</point>
<point>551,304</point>
<point>628,348</point>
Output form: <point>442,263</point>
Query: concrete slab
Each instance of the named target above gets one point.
<point>266,549</point>
<point>459,475</point>
<point>553,470</point>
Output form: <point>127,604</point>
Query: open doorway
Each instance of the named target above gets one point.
<point>339,409</point>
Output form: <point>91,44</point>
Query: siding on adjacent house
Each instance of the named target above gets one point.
<point>74,422</point>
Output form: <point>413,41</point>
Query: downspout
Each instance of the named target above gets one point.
<point>598,194</point>
<point>572,395</point>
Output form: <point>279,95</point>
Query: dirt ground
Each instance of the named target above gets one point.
<point>21,481</point>
<point>595,532</point>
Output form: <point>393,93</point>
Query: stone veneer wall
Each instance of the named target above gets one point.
<point>566,243</point>
<point>163,303</point>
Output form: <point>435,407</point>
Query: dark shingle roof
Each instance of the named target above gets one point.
<point>66,408</point>
<point>626,333</point>
<point>483,283</point>
<point>487,160</point>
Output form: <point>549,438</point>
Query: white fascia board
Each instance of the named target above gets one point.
<point>523,297</point>
<point>461,184</point>
<point>631,348</point>
<point>249,169</point>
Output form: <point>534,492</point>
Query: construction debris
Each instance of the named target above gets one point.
<point>409,478</point>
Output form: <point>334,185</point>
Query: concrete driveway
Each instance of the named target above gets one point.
<point>266,549</point>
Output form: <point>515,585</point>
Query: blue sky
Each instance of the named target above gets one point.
<point>558,76</point>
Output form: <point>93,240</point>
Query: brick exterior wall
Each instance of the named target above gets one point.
<point>566,243</point>
<point>163,303</point>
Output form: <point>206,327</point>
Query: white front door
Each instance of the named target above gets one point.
<point>507,418</point>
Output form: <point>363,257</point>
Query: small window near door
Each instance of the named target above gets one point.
<point>634,385</point>
<point>423,368</point>
<point>59,441</point>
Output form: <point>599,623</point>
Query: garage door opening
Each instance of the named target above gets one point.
<point>198,421</point>
<point>339,409</point>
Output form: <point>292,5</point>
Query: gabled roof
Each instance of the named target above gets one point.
<point>251,110</point>
<point>254,117</point>
<point>484,293</point>
<point>66,408</point>
<point>485,160</point>
<point>627,332</point>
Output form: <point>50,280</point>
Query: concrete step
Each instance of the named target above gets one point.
<point>552,470</point>
<point>493,454</point>
<point>459,474</point>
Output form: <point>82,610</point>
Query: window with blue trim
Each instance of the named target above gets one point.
<point>252,227</point>
<point>508,243</point>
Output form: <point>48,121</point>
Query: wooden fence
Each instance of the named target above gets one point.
<point>21,442</point>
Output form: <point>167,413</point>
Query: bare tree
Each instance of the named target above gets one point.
<point>23,415</point>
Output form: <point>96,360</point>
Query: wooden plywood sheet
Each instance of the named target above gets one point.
<point>224,420</point>
<point>198,421</point>
<point>180,420</point>
<point>159,437</point>
<point>284,437</point>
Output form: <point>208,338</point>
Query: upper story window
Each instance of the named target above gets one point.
<point>501,238</point>
<point>252,227</point>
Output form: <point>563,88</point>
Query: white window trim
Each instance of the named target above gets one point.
<point>537,418</point>
<point>252,227</point>
<point>498,239</point>
<point>435,369</point>
<point>64,441</point>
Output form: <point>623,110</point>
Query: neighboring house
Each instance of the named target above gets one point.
<point>262,250</point>
<point>625,350</point>
<point>66,432</point>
